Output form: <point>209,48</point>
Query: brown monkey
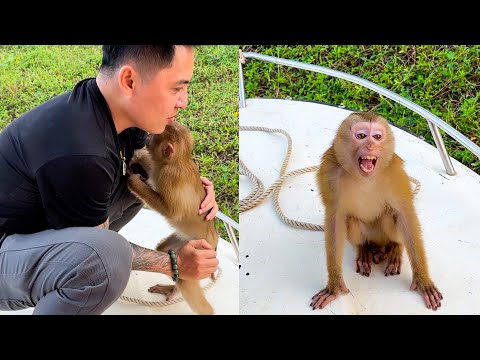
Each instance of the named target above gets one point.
<point>368,200</point>
<point>173,188</point>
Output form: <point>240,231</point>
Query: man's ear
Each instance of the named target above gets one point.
<point>126,77</point>
<point>167,149</point>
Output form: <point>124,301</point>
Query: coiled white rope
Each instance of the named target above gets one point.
<point>175,300</point>
<point>258,195</point>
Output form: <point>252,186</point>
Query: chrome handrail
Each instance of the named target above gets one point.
<point>434,122</point>
<point>230,226</point>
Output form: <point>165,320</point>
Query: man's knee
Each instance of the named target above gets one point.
<point>102,262</point>
<point>79,270</point>
<point>113,253</point>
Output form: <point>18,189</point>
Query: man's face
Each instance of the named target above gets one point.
<point>156,103</point>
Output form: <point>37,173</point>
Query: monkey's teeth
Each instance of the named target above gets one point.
<point>364,169</point>
<point>369,157</point>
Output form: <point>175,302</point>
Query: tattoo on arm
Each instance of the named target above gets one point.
<point>150,260</point>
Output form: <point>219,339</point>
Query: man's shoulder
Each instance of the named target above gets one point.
<point>56,112</point>
<point>74,122</point>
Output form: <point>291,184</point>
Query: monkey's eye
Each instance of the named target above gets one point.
<point>377,136</point>
<point>360,136</point>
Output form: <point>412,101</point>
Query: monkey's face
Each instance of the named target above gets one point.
<point>364,144</point>
<point>371,146</point>
<point>175,142</point>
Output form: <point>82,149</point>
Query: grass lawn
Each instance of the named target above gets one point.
<point>443,79</point>
<point>30,75</point>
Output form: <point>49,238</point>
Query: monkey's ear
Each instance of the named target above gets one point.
<point>167,150</point>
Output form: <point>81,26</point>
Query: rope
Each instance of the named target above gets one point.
<point>417,185</point>
<point>258,195</point>
<point>175,300</point>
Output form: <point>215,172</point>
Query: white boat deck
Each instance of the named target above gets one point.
<point>146,229</point>
<point>283,267</point>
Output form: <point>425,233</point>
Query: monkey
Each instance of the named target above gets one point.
<point>368,200</point>
<point>169,182</point>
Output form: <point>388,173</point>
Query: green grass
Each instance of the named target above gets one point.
<point>30,75</point>
<point>443,79</point>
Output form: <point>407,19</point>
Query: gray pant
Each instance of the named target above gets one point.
<point>73,271</point>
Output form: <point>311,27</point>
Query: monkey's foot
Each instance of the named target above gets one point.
<point>394,259</point>
<point>429,292</point>
<point>327,295</point>
<point>379,253</point>
<point>364,259</point>
<point>168,290</point>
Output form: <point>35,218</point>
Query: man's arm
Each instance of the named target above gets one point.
<point>146,259</point>
<point>196,260</point>
<point>150,260</point>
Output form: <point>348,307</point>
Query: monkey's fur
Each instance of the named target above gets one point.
<point>368,200</point>
<point>173,188</point>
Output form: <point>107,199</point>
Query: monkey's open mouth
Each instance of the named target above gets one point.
<point>367,163</point>
<point>136,168</point>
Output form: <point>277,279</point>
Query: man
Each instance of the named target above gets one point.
<point>63,188</point>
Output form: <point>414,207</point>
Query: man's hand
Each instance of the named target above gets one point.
<point>209,202</point>
<point>196,260</point>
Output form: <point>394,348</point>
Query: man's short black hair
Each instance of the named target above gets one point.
<point>148,59</point>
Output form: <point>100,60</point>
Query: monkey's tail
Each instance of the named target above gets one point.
<point>193,294</point>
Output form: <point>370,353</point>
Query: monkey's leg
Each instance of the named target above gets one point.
<point>379,253</point>
<point>394,260</point>
<point>408,232</point>
<point>173,241</point>
<point>193,294</point>
<point>372,252</point>
<point>170,291</point>
<point>364,260</point>
<point>394,249</point>
<point>335,235</point>
<point>364,256</point>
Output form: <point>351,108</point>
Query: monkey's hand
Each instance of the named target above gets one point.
<point>327,295</point>
<point>429,292</point>
<point>135,183</point>
<point>196,260</point>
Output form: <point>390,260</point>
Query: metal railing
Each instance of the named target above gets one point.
<point>230,226</point>
<point>434,122</point>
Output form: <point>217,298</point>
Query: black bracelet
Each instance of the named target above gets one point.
<point>173,259</point>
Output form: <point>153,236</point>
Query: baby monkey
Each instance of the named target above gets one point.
<point>368,200</point>
<point>170,184</point>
